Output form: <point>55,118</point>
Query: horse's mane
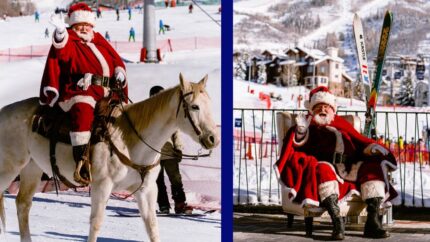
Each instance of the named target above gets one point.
<point>143,113</point>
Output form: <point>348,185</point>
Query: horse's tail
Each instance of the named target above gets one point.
<point>2,215</point>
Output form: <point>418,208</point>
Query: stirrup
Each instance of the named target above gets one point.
<point>77,174</point>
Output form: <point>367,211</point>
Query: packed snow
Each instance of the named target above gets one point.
<point>66,217</point>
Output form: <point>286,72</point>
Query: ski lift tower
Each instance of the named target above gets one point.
<point>149,51</point>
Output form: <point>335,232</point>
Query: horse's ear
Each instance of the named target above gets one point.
<point>203,81</point>
<point>184,84</point>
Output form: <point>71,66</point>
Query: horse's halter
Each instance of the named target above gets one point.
<point>186,107</point>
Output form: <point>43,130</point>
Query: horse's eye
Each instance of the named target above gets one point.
<point>195,107</point>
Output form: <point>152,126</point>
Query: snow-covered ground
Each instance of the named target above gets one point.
<point>66,217</point>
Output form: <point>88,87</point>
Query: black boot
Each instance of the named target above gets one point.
<point>330,203</point>
<point>82,172</point>
<point>373,227</point>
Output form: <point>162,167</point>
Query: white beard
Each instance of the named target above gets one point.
<point>323,120</point>
<point>86,37</point>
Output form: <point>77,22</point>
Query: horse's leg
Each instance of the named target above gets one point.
<point>100,192</point>
<point>147,201</point>
<point>29,181</point>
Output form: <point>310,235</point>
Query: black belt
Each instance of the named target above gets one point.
<point>100,80</point>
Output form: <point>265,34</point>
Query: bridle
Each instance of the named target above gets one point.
<point>197,130</point>
<point>186,107</point>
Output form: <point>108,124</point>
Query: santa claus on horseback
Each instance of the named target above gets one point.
<point>324,160</point>
<point>81,69</point>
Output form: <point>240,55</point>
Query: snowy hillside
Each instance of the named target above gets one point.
<point>277,25</point>
<point>202,178</point>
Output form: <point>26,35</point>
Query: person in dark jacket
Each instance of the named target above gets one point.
<point>169,162</point>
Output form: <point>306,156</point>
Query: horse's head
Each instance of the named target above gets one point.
<point>196,110</point>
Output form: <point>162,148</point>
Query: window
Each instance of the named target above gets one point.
<point>322,69</point>
<point>337,66</point>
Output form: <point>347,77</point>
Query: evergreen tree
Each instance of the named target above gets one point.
<point>406,95</point>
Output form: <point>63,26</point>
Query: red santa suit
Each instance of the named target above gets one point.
<point>331,160</point>
<point>70,61</point>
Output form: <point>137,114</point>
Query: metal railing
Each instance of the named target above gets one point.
<point>256,150</point>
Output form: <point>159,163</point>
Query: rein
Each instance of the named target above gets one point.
<point>187,114</point>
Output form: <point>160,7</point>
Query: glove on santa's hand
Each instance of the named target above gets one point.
<point>375,149</point>
<point>85,81</point>
<point>60,26</point>
<point>302,123</point>
<point>119,76</point>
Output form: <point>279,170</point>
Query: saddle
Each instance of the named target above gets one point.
<point>55,124</point>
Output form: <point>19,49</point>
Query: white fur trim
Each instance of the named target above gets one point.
<point>328,188</point>
<point>301,142</point>
<point>352,174</point>
<point>372,189</point>
<point>80,138</point>
<point>66,105</point>
<point>62,43</point>
<point>54,90</point>
<point>322,97</point>
<point>306,202</point>
<point>293,194</point>
<point>122,70</point>
<point>102,60</point>
<point>81,16</point>
<point>339,179</point>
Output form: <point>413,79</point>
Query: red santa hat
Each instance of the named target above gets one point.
<point>318,95</point>
<point>80,13</point>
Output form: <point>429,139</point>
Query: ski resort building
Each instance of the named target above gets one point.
<point>300,66</point>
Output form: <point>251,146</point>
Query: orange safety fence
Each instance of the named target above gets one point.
<point>166,45</point>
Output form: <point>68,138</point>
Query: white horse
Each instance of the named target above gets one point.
<point>22,152</point>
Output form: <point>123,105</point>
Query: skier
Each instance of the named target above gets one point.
<point>107,36</point>
<point>46,33</point>
<point>190,8</point>
<point>132,35</point>
<point>327,154</point>
<point>117,13</point>
<point>161,25</point>
<point>36,16</point>
<point>169,162</point>
<point>99,13</point>
<point>129,12</point>
<point>80,69</point>
<point>166,3</point>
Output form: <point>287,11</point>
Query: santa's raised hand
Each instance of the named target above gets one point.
<point>60,26</point>
<point>302,124</point>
